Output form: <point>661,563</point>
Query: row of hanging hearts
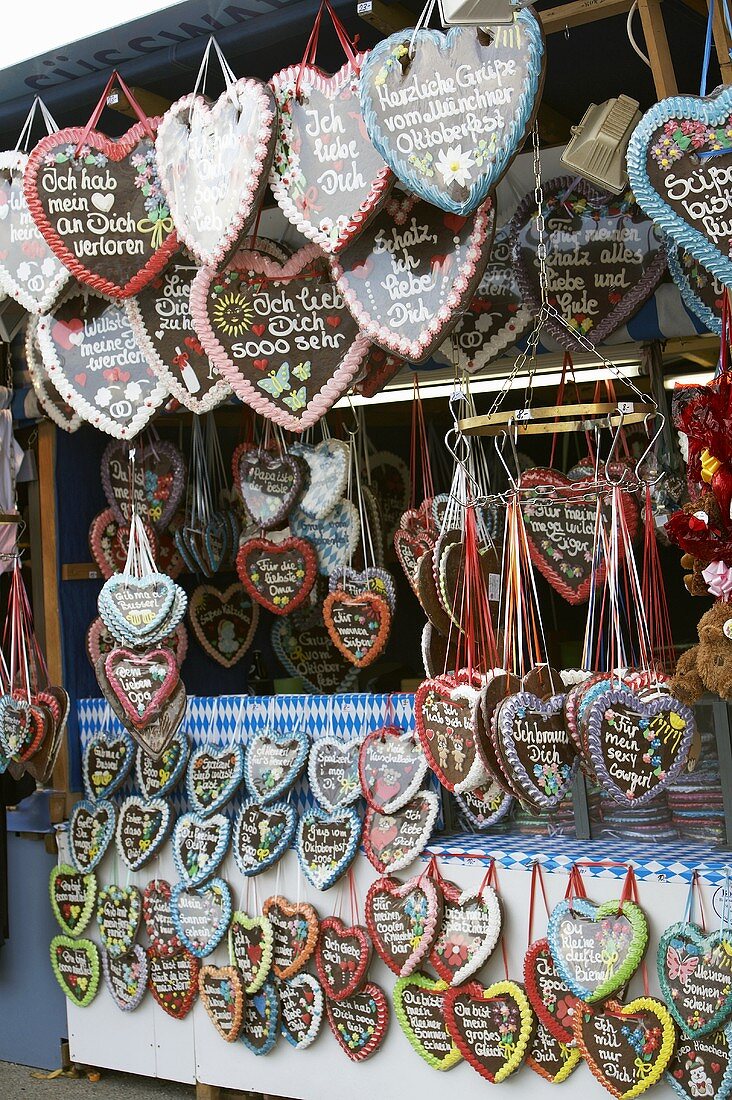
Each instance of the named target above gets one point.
<point>568,1008</point>
<point>387,768</point>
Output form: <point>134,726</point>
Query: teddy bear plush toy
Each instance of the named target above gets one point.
<point>708,665</point>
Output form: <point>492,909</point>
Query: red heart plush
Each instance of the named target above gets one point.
<point>109,206</point>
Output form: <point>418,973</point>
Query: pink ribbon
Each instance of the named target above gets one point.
<point>719,579</point>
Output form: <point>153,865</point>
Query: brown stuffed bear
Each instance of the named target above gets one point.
<point>707,666</point>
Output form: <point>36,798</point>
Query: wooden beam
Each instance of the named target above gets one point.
<point>51,621</point>
<point>722,44</point>
<point>80,571</point>
<point>207,1092</point>
<point>151,103</point>
<point>390,18</point>
<point>654,31</point>
<point>385,18</point>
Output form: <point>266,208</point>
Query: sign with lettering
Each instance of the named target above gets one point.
<point>486,805</point>
<point>627,1047</point>
<point>91,828</point>
<point>213,162</point>
<point>29,271</point>
<point>537,749</point>
<point>403,920</point>
<point>419,1006</point>
<point>560,529</point>
<point>605,258</point>
<point>280,334</point>
<point>359,1022</point>
<point>471,926</point>
<point>333,771</point>
<point>76,966</point>
<point>491,1026</point>
<point>443,718</point>
<point>161,321</point>
<point>408,277</point>
<point>250,949</point>
<point>199,845</point>
<point>342,957</point>
<point>394,840</point>
<point>173,981</point>
<point>597,948</point>
<point>701,292</point>
<point>326,844</point>
<point>695,976</point>
<point>224,621</point>
<point>222,995</point>
<point>684,189</point>
<point>95,362</point>
<point>99,204</point>
<point>326,176</point>
<point>142,827</point>
<point>277,575</point>
<point>496,316</point>
<point>158,484</point>
<point>305,649</point>
<point>201,915</point>
<point>449,112</point>
<point>636,746</point>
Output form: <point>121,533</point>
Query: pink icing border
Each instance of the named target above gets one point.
<point>115,149</point>
<point>434,332</point>
<point>139,721</point>
<point>318,405</point>
<point>381,184</point>
<point>264,151</point>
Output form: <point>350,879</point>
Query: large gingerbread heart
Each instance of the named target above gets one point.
<point>471,926</point>
<point>626,1046</point>
<point>301,1009</point>
<point>72,898</point>
<point>491,1026</point>
<point>605,258</point>
<point>638,746</point>
<point>540,756</point>
<point>391,767</point>
<point>403,920</point>
<point>76,966</point>
<point>695,977</point>
<point>213,162</point>
<point>407,278</point>
<point>701,292</point>
<point>250,949</point>
<point>319,128</point>
<point>304,647</point>
<point>597,948</point>
<point>449,112</point>
<point>326,844</point>
<point>358,625</point>
<point>342,958</point>
<point>677,182</point>
<point>221,990</point>
<point>159,919</point>
<point>102,211</point>
<point>268,484</point>
<point>29,271</point>
<point>143,684</point>
<point>443,717</point>
<point>560,531</point>
<point>93,359</point>
<point>419,1005</point>
<point>280,334</point>
<point>550,998</point>
<point>126,977</point>
<point>262,835</point>
<point>394,840</point>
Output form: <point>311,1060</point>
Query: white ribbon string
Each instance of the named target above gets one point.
<point>228,73</point>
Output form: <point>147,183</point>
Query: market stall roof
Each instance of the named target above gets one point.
<point>161,51</point>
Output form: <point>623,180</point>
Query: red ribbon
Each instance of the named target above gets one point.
<point>96,113</point>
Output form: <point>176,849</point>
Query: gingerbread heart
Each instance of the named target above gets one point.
<point>695,978</point>
<point>121,234</point>
<point>301,1008</point>
<point>392,841</point>
<point>91,827</point>
<point>159,919</point>
<point>73,896</point>
<point>142,828</point>
<point>76,966</point>
<point>326,844</point>
<point>305,649</point>
<point>403,920</point>
<point>391,767</point>
<point>50,400</point>
<point>199,845</point>
<point>702,1064</point>
<point>596,948</point>
<point>359,626</point>
<point>213,777</point>
<point>491,1026</point>
<point>550,998</point>
<point>333,771</point>
<point>627,1047</point>
<point>250,949</point>
<point>201,915</point>
<point>262,835</point>
<point>106,763</point>
<point>158,484</point>
<point>222,995</point>
<point>261,1023</point>
<point>537,747</point>
<point>143,684</point>
<point>327,464</point>
<point>173,981</point>
<point>224,621</point>
<point>420,1008</point>
<point>471,927</point>
<point>273,761</point>
<point>156,778</point>
<point>277,575</point>
<point>359,1022</point>
<point>250,317</point>
<point>295,932</point>
<point>443,717</point>
<point>551,1059</point>
<point>119,911</point>
<point>269,484</point>
<point>342,958</point>
<point>126,977</point>
<point>108,542</point>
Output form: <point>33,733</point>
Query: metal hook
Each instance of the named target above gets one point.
<point>613,448</point>
<point>501,437</point>
<point>650,447</point>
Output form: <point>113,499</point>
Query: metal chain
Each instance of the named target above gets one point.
<point>541,252</point>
